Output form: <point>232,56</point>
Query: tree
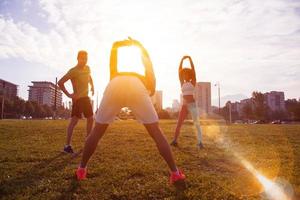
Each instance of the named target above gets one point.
<point>224,112</point>
<point>48,111</point>
<point>293,108</point>
<point>260,108</point>
<point>278,115</point>
<point>63,112</point>
<point>18,106</point>
<point>8,106</point>
<point>247,111</point>
<point>29,109</point>
<point>39,111</point>
<point>163,114</point>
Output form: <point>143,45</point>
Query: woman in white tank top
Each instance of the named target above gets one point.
<point>187,77</point>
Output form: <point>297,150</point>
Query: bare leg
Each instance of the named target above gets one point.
<point>162,144</point>
<point>89,125</point>
<point>70,129</point>
<point>182,115</point>
<point>91,142</point>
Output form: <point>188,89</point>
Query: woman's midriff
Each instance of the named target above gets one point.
<point>188,99</point>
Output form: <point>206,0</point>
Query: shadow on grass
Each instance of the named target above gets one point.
<point>70,192</point>
<point>180,188</point>
<point>35,174</point>
<point>193,152</point>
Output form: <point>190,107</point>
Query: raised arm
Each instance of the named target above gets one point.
<point>149,79</point>
<point>114,56</point>
<point>149,72</point>
<point>193,69</point>
<point>180,71</point>
<point>113,61</point>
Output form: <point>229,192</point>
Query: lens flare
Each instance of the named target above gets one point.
<point>271,189</point>
<point>129,60</point>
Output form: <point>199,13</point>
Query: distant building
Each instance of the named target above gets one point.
<point>43,92</point>
<point>203,97</point>
<point>215,109</point>
<point>157,100</point>
<point>175,105</point>
<point>246,102</point>
<point>275,100</point>
<point>236,107</point>
<point>8,89</point>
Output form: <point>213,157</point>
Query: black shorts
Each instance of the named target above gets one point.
<point>82,105</point>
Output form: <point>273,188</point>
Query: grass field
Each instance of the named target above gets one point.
<point>126,164</point>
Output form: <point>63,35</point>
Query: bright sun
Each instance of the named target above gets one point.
<point>129,60</point>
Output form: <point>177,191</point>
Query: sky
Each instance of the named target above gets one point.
<point>245,45</point>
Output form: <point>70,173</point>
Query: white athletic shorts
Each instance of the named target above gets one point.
<point>126,91</point>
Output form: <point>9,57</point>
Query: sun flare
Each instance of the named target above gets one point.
<point>129,60</point>
<point>271,189</point>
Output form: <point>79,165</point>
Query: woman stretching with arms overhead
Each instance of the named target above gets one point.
<point>187,77</point>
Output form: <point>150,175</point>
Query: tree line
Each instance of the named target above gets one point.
<point>16,108</point>
<point>257,109</point>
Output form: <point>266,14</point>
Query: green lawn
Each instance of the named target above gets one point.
<point>126,164</point>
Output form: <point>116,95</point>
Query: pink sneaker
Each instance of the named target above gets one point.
<point>176,176</point>
<point>81,173</point>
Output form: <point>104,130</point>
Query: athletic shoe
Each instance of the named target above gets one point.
<point>68,149</point>
<point>174,143</point>
<point>81,173</point>
<point>176,176</point>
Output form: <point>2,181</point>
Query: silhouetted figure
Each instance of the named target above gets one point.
<point>187,77</point>
<point>129,89</point>
<point>80,76</point>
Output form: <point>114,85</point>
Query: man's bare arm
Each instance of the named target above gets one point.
<point>61,84</point>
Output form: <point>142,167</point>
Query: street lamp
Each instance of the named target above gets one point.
<point>230,118</point>
<point>2,94</point>
<point>55,99</point>
<point>218,84</point>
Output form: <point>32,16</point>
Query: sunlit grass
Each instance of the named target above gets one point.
<point>126,164</point>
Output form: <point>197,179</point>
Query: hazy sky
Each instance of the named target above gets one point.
<point>245,45</point>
